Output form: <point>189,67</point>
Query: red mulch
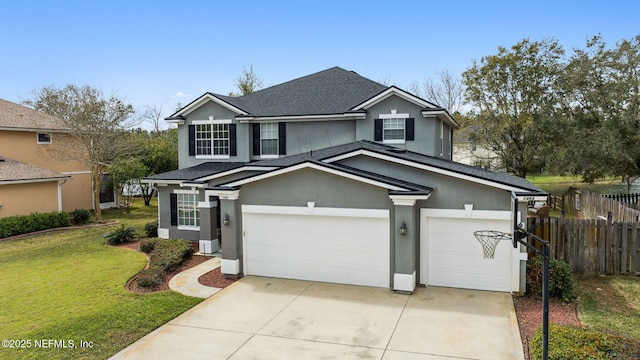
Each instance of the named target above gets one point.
<point>529,313</point>
<point>213,278</point>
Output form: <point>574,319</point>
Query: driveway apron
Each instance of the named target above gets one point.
<point>267,318</point>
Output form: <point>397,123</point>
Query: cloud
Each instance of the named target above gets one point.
<point>180,94</point>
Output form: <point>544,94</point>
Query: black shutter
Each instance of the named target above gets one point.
<point>377,130</point>
<point>282,138</point>
<point>409,129</point>
<point>192,140</point>
<point>174,209</point>
<point>256,139</point>
<point>233,147</point>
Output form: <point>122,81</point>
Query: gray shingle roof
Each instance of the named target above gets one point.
<point>13,170</point>
<point>443,164</point>
<point>15,116</point>
<point>331,91</point>
<point>198,171</point>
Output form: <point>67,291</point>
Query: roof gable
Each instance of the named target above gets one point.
<point>224,101</point>
<point>342,171</point>
<point>17,117</point>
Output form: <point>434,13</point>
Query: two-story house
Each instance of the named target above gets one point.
<point>33,178</point>
<point>334,177</point>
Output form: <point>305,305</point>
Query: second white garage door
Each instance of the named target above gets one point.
<point>451,256</point>
<point>348,246</point>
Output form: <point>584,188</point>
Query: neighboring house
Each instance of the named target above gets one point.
<point>28,136</point>
<point>26,189</point>
<point>334,177</point>
<point>468,152</point>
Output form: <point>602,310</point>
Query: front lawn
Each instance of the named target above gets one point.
<point>67,286</point>
<point>610,304</point>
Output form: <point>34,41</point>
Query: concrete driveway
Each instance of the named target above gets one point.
<point>267,318</point>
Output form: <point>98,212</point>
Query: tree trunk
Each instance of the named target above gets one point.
<point>97,183</point>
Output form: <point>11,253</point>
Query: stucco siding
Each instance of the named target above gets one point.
<point>307,136</point>
<point>219,113</point>
<point>75,190</point>
<point>24,199</point>
<point>164,215</point>
<point>449,193</point>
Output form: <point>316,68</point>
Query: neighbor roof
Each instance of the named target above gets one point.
<point>13,171</point>
<point>17,117</point>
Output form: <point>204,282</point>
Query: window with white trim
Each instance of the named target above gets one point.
<point>43,138</point>
<point>188,212</point>
<point>393,130</point>
<point>269,139</point>
<point>212,139</point>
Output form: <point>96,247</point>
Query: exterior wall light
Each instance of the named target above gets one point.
<point>403,228</point>
<point>225,220</point>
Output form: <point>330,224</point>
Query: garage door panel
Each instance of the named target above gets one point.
<point>342,249</point>
<point>454,257</point>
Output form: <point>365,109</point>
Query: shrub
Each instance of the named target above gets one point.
<point>24,224</point>
<point>561,282</point>
<point>149,278</point>
<point>165,256</point>
<point>81,216</point>
<point>569,343</point>
<point>151,229</point>
<point>147,245</point>
<point>121,235</point>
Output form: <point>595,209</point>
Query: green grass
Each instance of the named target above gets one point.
<point>67,285</point>
<point>610,304</point>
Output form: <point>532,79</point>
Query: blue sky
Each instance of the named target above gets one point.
<point>169,52</point>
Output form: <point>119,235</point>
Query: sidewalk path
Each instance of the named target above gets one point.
<point>187,283</point>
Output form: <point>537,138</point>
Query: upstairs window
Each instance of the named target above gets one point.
<point>393,130</point>
<point>269,139</point>
<point>212,139</point>
<point>44,138</point>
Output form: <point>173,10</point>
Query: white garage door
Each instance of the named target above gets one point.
<point>451,256</point>
<point>348,246</point>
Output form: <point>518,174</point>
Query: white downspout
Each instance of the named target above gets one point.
<point>60,183</point>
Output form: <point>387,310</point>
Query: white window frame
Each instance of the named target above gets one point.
<point>387,118</point>
<point>441,137</point>
<point>196,209</point>
<point>43,142</point>
<point>213,123</point>
<point>262,138</point>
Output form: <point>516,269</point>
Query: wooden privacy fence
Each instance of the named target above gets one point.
<point>592,246</point>
<point>584,204</point>
<point>630,200</point>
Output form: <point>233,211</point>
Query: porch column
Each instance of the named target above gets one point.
<point>405,233</point>
<point>230,229</point>
<point>208,226</point>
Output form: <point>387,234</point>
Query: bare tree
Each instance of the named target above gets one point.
<point>447,91</point>
<point>96,127</point>
<point>153,116</point>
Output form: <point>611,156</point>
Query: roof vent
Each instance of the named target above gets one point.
<point>1,159</point>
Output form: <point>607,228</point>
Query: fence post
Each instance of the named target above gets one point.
<point>608,239</point>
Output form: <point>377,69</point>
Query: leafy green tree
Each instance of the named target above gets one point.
<point>512,94</point>
<point>96,126</point>
<point>247,83</point>
<point>601,102</point>
<point>125,174</point>
<point>159,154</point>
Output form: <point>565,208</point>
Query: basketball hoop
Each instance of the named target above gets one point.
<point>489,239</point>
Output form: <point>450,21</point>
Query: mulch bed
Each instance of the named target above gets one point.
<point>213,278</point>
<point>529,313</point>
